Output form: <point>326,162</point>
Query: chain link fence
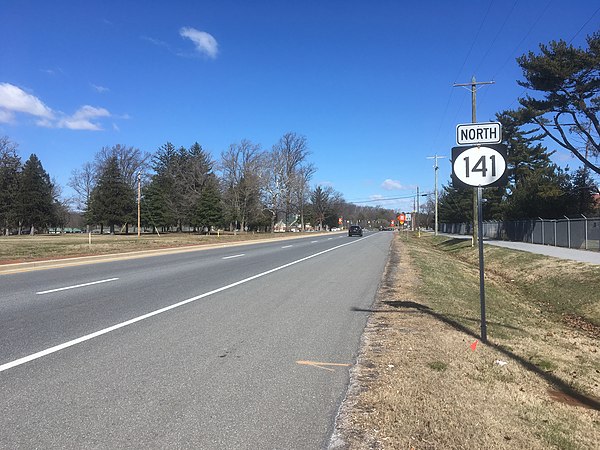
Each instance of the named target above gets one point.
<point>579,233</point>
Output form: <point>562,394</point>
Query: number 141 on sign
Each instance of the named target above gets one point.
<point>479,166</point>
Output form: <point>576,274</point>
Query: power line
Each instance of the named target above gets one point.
<point>474,39</point>
<point>533,25</point>
<point>582,26</point>
<point>459,72</point>
<point>497,35</point>
<point>571,40</point>
<point>388,198</point>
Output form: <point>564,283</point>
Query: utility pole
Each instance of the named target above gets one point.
<point>478,212</point>
<point>417,214</point>
<point>414,215</point>
<point>139,199</point>
<point>473,85</point>
<point>435,190</point>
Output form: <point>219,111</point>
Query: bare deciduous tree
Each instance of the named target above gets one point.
<point>272,184</point>
<point>291,151</point>
<point>82,181</point>
<point>240,178</point>
<point>130,161</point>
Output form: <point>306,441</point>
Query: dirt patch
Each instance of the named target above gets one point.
<point>418,384</point>
<point>582,324</point>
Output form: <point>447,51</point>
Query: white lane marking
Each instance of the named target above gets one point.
<point>329,239</point>
<point>87,337</point>
<point>313,242</point>
<point>234,256</point>
<point>287,246</point>
<point>76,286</point>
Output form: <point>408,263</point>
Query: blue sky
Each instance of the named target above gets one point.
<point>369,83</point>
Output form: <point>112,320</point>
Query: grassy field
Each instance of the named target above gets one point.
<point>423,382</point>
<point>32,248</point>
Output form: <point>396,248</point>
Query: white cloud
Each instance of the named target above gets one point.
<point>325,183</point>
<point>14,99</point>
<point>204,42</point>
<point>99,89</point>
<point>392,185</point>
<point>82,119</point>
<point>6,116</point>
<point>156,42</point>
<point>53,71</point>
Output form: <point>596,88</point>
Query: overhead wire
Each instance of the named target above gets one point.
<point>514,51</point>
<point>531,28</point>
<point>474,39</point>
<point>583,26</point>
<point>423,194</point>
<point>460,71</point>
<point>496,36</point>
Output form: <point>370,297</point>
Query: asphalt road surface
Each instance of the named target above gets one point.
<point>240,347</point>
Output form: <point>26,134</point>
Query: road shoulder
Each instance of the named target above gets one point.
<point>424,381</point>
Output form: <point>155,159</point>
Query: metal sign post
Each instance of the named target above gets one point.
<point>481,266</point>
<point>476,167</point>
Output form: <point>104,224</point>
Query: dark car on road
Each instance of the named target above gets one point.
<point>355,230</point>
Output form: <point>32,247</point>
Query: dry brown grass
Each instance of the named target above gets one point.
<point>418,384</point>
<point>15,249</point>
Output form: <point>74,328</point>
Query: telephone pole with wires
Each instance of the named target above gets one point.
<point>473,87</point>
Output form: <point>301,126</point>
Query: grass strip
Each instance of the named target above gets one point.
<point>422,381</point>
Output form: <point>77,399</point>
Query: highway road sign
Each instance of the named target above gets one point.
<point>478,133</point>
<point>483,166</point>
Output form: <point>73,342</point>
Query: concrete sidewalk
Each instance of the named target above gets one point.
<point>586,256</point>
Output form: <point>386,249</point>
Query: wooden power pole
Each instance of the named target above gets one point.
<point>473,85</point>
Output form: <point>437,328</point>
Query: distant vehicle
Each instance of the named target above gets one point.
<point>355,230</point>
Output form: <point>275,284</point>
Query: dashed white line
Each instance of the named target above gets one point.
<point>76,286</point>
<point>287,246</point>
<point>234,256</point>
<point>87,337</point>
<point>313,242</point>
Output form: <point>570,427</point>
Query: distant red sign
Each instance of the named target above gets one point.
<point>401,218</point>
<point>340,220</point>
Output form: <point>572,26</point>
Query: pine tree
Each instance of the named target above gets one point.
<point>209,210</point>
<point>582,190</point>
<point>455,205</point>
<point>10,167</point>
<point>113,200</point>
<point>537,186</point>
<point>35,197</point>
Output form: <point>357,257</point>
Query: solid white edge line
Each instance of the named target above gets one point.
<point>76,286</point>
<point>234,256</point>
<point>87,337</point>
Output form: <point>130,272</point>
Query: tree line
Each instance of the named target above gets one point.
<point>29,199</point>
<point>181,188</point>
<point>564,111</point>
